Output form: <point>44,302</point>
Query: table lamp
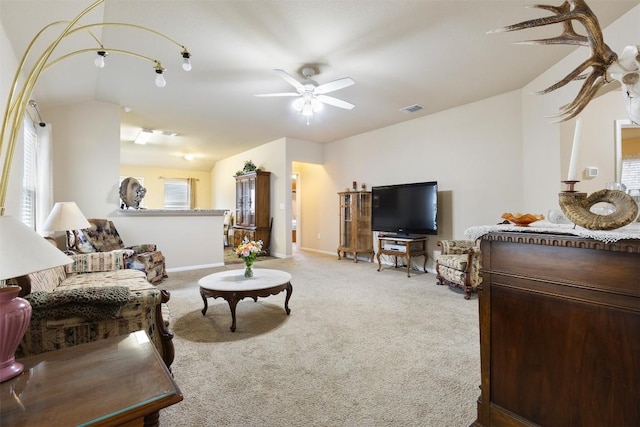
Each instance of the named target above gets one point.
<point>22,251</point>
<point>66,216</point>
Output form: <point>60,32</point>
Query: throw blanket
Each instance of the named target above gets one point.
<point>92,303</point>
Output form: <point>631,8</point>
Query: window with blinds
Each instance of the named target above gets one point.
<point>631,172</point>
<point>177,194</point>
<point>29,177</point>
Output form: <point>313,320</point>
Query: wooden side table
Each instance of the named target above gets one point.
<point>403,247</point>
<point>117,381</point>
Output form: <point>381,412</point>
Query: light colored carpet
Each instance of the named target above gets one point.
<point>360,348</point>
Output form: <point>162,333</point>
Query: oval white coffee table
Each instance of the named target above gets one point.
<point>233,287</point>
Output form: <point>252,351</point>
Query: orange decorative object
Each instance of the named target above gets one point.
<point>522,220</point>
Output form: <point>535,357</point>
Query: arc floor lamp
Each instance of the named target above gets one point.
<point>22,250</point>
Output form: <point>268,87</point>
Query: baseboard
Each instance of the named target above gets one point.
<point>195,267</point>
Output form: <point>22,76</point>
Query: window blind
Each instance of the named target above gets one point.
<point>177,194</point>
<point>631,172</point>
<point>29,177</point>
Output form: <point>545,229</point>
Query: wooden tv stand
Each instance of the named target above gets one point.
<point>405,247</point>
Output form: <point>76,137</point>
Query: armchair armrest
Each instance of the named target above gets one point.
<point>97,261</point>
<point>458,247</point>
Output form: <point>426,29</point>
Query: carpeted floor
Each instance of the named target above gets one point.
<point>360,348</point>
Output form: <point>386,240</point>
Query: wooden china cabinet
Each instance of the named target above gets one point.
<point>355,224</point>
<point>253,208</point>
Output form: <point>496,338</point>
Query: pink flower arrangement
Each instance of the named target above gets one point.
<point>248,250</point>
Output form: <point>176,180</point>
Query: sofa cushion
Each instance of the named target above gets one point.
<point>47,280</point>
<point>458,262</point>
<point>102,236</point>
<point>128,278</point>
<point>98,261</point>
<point>452,275</point>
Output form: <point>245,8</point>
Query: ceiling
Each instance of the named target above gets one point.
<point>399,52</point>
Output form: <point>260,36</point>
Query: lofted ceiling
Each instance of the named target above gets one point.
<point>399,53</point>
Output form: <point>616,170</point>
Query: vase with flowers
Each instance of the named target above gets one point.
<point>249,250</point>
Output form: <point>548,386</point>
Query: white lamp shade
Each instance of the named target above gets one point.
<point>23,251</point>
<point>65,216</point>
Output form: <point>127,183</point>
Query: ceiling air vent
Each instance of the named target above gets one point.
<point>412,108</point>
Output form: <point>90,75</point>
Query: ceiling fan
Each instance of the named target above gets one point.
<point>310,94</point>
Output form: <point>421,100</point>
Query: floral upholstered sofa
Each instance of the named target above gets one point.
<point>95,297</point>
<point>102,236</point>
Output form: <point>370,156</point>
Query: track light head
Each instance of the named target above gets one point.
<point>99,61</point>
<point>186,60</point>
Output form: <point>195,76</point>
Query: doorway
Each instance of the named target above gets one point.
<point>294,208</point>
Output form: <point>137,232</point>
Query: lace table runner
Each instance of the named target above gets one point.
<point>631,231</point>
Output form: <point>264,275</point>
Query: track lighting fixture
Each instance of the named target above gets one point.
<point>33,104</point>
<point>160,81</point>
<point>99,61</point>
<point>186,60</point>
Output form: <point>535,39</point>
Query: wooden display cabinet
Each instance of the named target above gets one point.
<point>355,224</point>
<point>253,208</point>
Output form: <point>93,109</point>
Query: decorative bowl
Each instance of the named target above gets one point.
<point>522,220</point>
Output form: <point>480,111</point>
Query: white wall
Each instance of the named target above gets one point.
<point>200,237</point>
<point>500,154</point>
<point>8,65</point>
<point>473,151</point>
<point>86,156</point>
<point>276,157</point>
<point>268,157</point>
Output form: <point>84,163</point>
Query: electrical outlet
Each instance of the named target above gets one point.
<point>318,236</point>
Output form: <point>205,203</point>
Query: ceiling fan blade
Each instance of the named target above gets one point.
<point>290,79</point>
<point>278,94</point>
<point>334,85</point>
<point>335,102</point>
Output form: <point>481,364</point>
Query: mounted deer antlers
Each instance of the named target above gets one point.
<point>605,65</point>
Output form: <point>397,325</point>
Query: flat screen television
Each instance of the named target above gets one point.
<point>405,209</point>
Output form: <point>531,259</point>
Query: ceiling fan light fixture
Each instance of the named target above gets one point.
<point>316,105</point>
<point>298,104</point>
<point>307,110</point>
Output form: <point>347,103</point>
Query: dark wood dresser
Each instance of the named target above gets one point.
<point>559,331</point>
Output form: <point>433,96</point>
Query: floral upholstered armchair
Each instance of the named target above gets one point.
<point>102,236</point>
<point>459,265</point>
